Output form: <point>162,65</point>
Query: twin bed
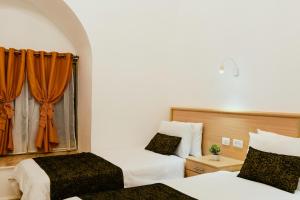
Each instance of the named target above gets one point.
<point>112,169</point>
<point>220,185</point>
<point>163,174</point>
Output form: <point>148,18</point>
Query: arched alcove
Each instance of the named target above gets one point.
<point>52,26</point>
<point>64,18</point>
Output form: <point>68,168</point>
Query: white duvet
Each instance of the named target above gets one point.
<point>32,180</point>
<point>142,167</point>
<point>227,186</point>
<point>139,167</point>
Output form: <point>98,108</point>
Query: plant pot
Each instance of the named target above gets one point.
<point>215,157</point>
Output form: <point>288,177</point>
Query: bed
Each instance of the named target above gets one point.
<point>217,185</point>
<point>139,167</point>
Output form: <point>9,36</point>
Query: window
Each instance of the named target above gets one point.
<point>26,120</point>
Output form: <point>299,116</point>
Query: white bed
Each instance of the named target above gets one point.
<point>139,167</point>
<point>226,185</point>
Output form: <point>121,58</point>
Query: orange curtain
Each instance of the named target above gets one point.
<point>48,76</point>
<point>12,75</point>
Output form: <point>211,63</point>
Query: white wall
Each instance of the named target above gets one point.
<point>150,55</point>
<point>23,26</point>
<point>129,42</point>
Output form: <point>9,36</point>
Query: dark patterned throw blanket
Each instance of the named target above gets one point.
<point>77,174</point>
<point>148,192</point>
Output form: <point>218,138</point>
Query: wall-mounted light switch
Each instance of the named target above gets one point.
<point>226,141</point>
<point>238,143</point>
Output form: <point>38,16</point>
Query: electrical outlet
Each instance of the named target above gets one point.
<point>238,143</point>
<point>226,141</point>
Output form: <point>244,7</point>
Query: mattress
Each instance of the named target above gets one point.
<point>222,185</point>
<point>139,167</point>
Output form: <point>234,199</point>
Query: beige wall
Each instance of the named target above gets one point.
<point>6,191</point>
<point>150,55</point>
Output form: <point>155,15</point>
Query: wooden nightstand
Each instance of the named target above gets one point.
<point>195,166</point>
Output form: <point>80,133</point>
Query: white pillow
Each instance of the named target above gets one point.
<point>298,185</point>
<point>275,143</point>
<point>256,141</point>
<point>197,130</point>
<point>183,130</point>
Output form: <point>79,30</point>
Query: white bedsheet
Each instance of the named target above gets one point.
<point>226,185</point>
<point>139,167</point>
<point>142,167</point>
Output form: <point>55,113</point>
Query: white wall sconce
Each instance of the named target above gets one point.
<point>229,62</point>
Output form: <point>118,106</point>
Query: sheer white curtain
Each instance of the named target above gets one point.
<point>26,121</point>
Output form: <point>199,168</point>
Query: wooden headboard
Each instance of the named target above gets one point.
<point>236,125</point>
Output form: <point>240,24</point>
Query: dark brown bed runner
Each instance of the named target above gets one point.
<point>77,174</point>
<point>148,192</point>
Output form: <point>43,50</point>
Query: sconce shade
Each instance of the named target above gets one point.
<point>229,62</point>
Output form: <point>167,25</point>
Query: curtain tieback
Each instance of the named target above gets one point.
<point>2,123</point>
<point>9,110</point>
<point>6,113</point>
<point>46,112</point>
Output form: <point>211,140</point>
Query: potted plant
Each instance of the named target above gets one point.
<point>215,151</point>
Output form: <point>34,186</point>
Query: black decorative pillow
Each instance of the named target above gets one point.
<point>163,144</point>
<point>280,171</point>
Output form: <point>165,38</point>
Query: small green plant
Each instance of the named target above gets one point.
<point>215,149</point>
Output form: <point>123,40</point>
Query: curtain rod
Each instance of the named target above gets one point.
<point>75,58</point>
